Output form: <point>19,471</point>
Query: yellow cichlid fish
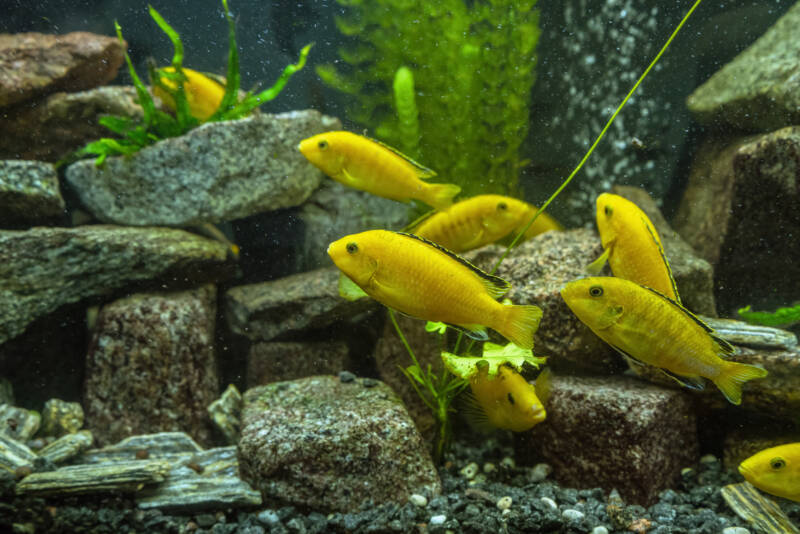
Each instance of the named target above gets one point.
<point>481,220</point>
<point>775,470</point>
<point>647,327</point>
<point>508,401</point>
<point>203,94</point>
<point>361,163</point>
<point>632,246</point>
<point>421,279</point>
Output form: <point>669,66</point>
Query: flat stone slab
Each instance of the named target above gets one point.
<point>759,90</point>
<point>42,269</point>
<point>217,172</point>
<point>29,191</point>
<point>89,479</point>
<point>320,443</point>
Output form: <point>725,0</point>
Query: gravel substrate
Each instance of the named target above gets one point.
<point>483,492</point>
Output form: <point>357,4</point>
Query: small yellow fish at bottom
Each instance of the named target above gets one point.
<point>775,470</point>
<point>508,401</point>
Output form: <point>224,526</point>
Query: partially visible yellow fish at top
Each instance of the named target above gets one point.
<point>481,220</point>
<point>508,401</point>
<point>203,94</point>
<point>632,246</point>
<point>647,327</point>
<point>421,279</point>
<point>361,163</point>
<point>775,470</point>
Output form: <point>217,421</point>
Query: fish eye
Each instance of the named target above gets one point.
<point>511,398</point>
<point>608,210</point>
<point>502,206</point>
<point>352,248</point>
<point>322,144</point>
<point>777,463</point>
<point>596,291</point>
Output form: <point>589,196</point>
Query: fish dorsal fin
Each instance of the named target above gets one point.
<point>496,286</point>
<point>423,172</point>
<point>724,346</point>
<point>660,248</point>
<point>416,223</point>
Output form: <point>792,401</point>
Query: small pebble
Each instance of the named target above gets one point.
<point>540,472</point>
<point>600,530</point>
<point>438,519</point>
<point>508,463</point>
<point>480,478</point>
<point>550,502</point>
<point>735,530</point>
<point>269,517</point>
<point>369,382</point>
<point>346,376</point>
<point>504,503</point>
<point>708,459</point>
<point>505,512</point>
<point>489,467</point>
<point>572,515</point>
<point>469,471</point>
<point>419,500</point>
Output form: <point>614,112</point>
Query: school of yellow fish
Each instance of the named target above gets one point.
<point>637,311</point>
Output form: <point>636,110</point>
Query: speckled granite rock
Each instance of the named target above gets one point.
<point>319,443</point>
<point>52,127</point>
<point>276,361</point>
<point>60,417</point>
<point>739,212</point>
<point>29,191</point>
<point>290,305</point>
<point>151,366</point>
<point>693,275</point>
<point>632,436</point>
<point>44,268</point>
<point>216,172</point>
<point>32,64</point>
<point>758,91</point>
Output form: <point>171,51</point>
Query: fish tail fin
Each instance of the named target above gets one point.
<point>732,377</point>
<point>519,324</point>
<point>440,196</point>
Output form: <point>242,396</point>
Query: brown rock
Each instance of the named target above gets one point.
<point>739,212</point>
<point>276,361</point>
<point>151,366</point>
<point>614,432</point>
<point>32,64</point>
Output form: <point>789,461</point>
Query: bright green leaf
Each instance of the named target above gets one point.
<point>439,328</point>
<point>349,290</point>
<point>780,317</point>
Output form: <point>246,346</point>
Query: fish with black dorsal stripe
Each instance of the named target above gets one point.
<point>419,278</point>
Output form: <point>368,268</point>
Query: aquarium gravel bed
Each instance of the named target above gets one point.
<point>483,491</point>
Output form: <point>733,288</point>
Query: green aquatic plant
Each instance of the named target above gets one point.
<point>155,124</point>
<point>473,67</point>
<point>780,317</point>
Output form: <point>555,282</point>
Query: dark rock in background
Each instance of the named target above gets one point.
<point>277,361</point>
<point>29,192</point>
<point>32,64</point>
<point>615,433</point>
<point>740,213</point>
<point>151,366</point>
<point>327,445</point>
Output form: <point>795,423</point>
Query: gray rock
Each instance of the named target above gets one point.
<point>633,436</point>
<point>151,365</point>
<point>14,454</point>
<point>32,64</point>
<point>88,479</point>
<point>53,127</point>
<point>225,413</point>
<point>277,361</point>
<point>42,269</point>
<point>693,275</point>
<point>334,211</point>
<point>29,191</point>
<point>18,423</point>
<point>67,446</point>
<point>290,305</point>
<point>162,445</point>
<point>758,91</point>
<point>750,335</point>
<point>216,172</point>
<point>60,417</point>
<point>320,443</point>
<point>739,211</point>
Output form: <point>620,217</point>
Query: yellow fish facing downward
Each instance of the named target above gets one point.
<point>203,94</point>
<point>775,470</point>
<point>647,327</point>
<point>419,278</point>
<point>361,163</point>
<point>481,220</point>
<point>508,401</point>
<point>632,246</point>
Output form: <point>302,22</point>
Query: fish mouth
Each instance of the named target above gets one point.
<point>744,471</point>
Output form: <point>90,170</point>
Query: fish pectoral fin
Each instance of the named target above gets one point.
<point>596,266</point>
<point>474,331</point>
<point>691,382</point>
<point>347,178</point>
<point>474,242</point>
